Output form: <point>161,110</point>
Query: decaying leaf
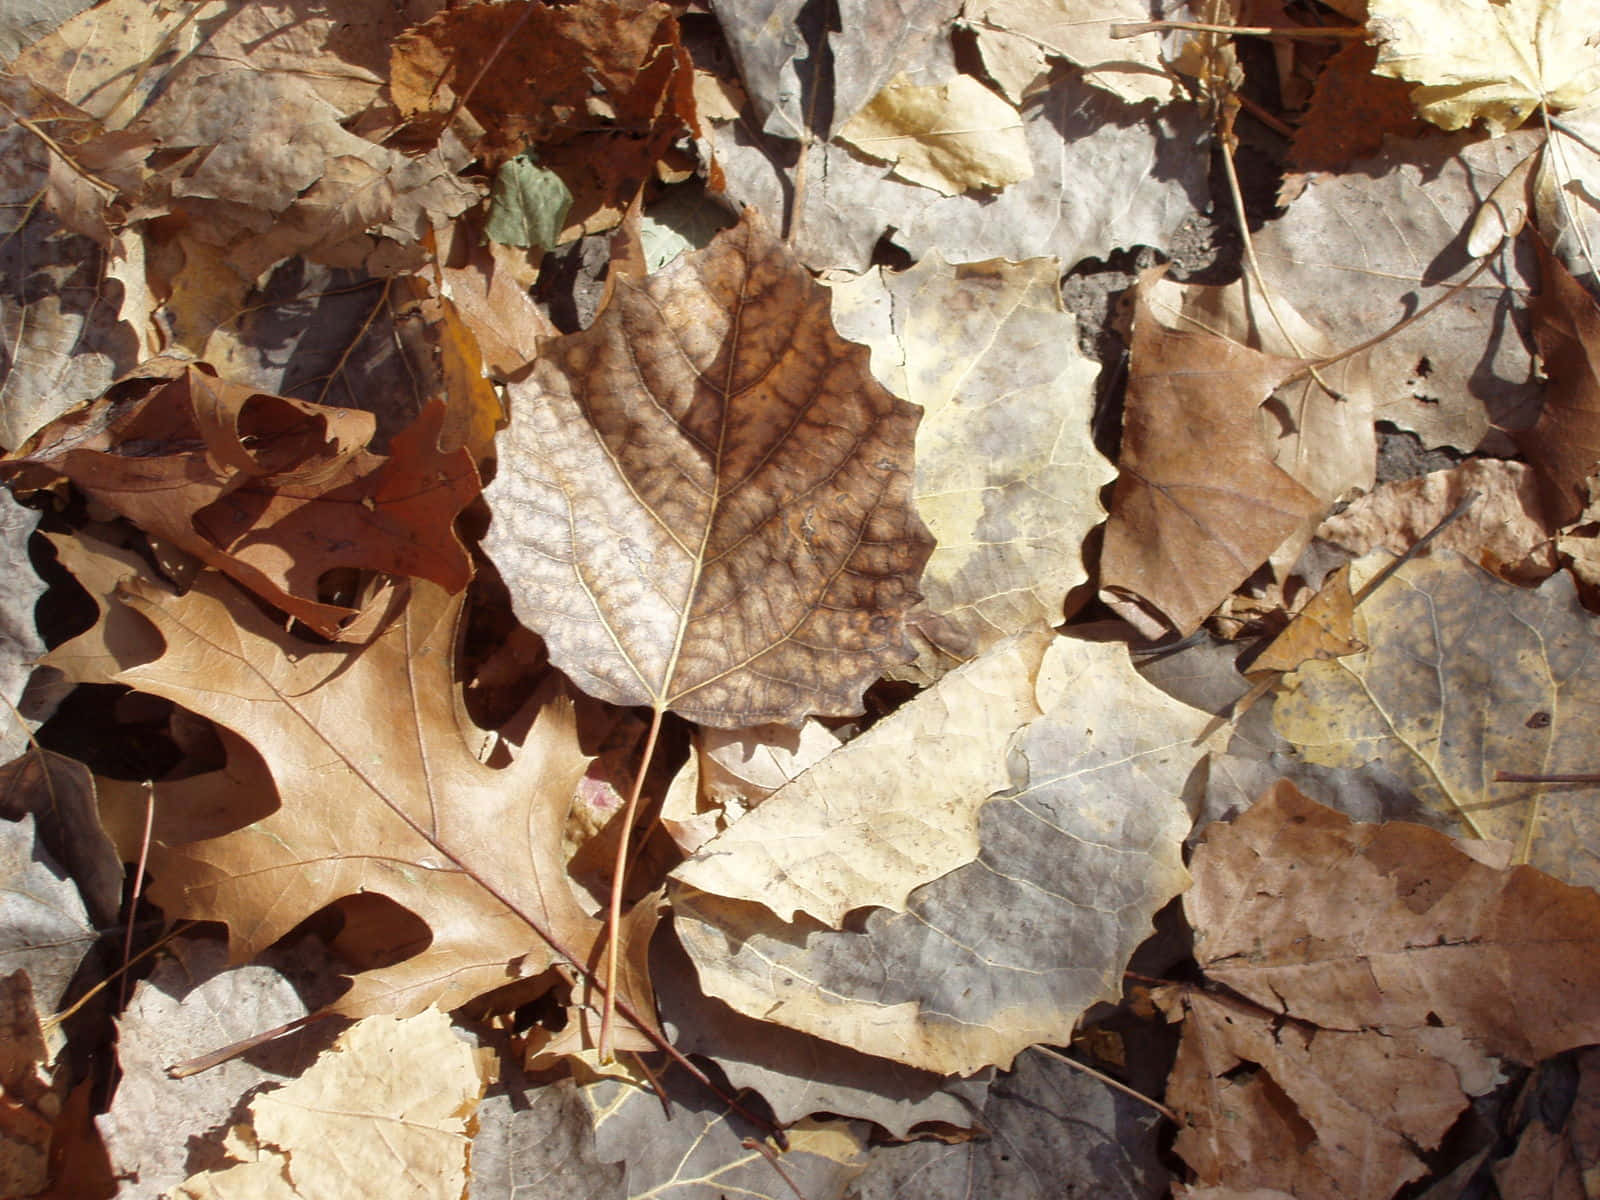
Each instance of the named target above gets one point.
<point>704,500</point>
<point>386,1111</point>
<point>1464,676</point>
<point>1490,60</point>
<point>1008,479</point>
<point>472,851</point>
<point>1019,37</point>
<point>1198,504</point>
<point>1373,971</point>
<point>954,137</point>
<point>1009,950</point>
<point>273,491</point>
<point>858,829</point>
<point>1563,446</point>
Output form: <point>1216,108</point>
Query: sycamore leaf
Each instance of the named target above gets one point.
<point>1075,858</point>
<point>701,1150</point>
<point>1464,676</point>
<point>1008,478</point>
<point>859,829</point>
<point>386,1111</point>
<point>1198,504</point>
<point>703,502</point>
<point>273,491</point>
<point>472,851</point>
<point>1370,972</point>
<point>1495,60</point>
<point>955,137</point>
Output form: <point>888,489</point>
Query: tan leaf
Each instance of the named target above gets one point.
<point>703,503</point>
<point>1563,446</point>
<point>859,828</point>
<point>1008,478</point>
<point>386,1111</point>
<point>1464,676</point>
<point>1080,32</point>
<point>1494,60</point>
<point>1009,950</point>
<point>1198,503</point>
<point>1324,628</point>
<point>276,492</point>
<point>1375,967</point>
<point>955,137</point>
<point>472,851</point>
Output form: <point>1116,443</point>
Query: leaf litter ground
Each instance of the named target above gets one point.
<point>261,358</point>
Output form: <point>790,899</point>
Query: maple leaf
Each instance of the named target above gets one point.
<point>703,502</point>
<point>273,491</point>
<point>473,851</point>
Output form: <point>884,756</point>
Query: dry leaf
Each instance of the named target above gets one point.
<point>44,929</point>
<point>1009,950</point>
<point>955,137</point>
<point>1494,60</point>
<point>541,1136</point>
<point>1198,503</point>
<point>20,643</point>
<point>859,829</point>
<point>1080,32</point>
<point>1563,446</point>
<point>386,1112</point>
<point>472,851</point>
<point>30,1087</point>
<point>1351,112</point>
<point>276,492</point>
<point>704,500</point>
<point>1008,479</point>
<point>1324,628</point>
<point>1465,676</point>
<point>1375,967</point>
<point>60,794</point>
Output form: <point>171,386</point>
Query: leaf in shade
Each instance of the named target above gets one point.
<point>273,491</point>
<point>1198,503</point>
<point>704,500</point>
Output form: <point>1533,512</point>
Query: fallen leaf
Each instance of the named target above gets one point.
<point>60,794</point>
<point>273,491</point>
<point>1370,972</point>
<point>44,929</point>
<point>1052,1131</point>
<point>158,1128</point>
<point>1147,170</point>
<point>1351,112</point>
<point>1198,503</point>
<point>1009,950</point>
<point>529,205</point>
<point>386,1110</point>
<point>33,1089</point>
<point>20,643</point>
<point>1465,675</point>
<point>707,1152</point>
<point>1489,60</point>
<point>488,285</point>
<point>1555,1154</point>
<point>421,822</point>
<point>723,436</point>
<point>1079,31</point>
<point>1008,479</point>
<point>1563,446</point>
<point>1502,530</point>
<point>537,1135</point>
<point>955,137</point>
<point>1566,191</point>
<point>1324,628</point>
<point>858,830</point>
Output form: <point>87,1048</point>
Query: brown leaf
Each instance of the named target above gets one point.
<point>1377,966</point>
<point>1564,444</point>
<point>273,491</point>
<point>704,500</point>
<point>1351,112</point>
<point>473,851</point>
<point>1198,504</point>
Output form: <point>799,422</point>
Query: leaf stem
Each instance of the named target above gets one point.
<point>619,875</point>
<point>1128,29</point>
<point>1111,1083</point>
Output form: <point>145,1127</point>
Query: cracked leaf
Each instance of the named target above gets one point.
<point>703,502</point>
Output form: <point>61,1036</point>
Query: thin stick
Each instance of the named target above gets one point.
<point>1112,1083</point>
<point>766,1152</point>
<point>138,887</point>
<point>178,930</point>
<point>619,877</point>
<point>1417,547</point>
<point>1128,29</point>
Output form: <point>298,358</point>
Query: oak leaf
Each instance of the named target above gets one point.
<point>1466,675</point>
<point>273,491</point>
<point>1198,503</point>
<point>703,502</point>
<point>472,851</point>
<point>1372,972</point>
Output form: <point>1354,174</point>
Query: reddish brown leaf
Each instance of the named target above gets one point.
<point>273,491</point>
<point>1199,503</point>
<point>704,500</point>
<point>1564,444</point>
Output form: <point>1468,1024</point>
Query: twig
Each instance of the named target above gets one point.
<point>1416,548</point>
<point>138,886</point>
<point>619,877</point>
<point>1128,29</point>
<point>1112,1083</point>
<point>766,1152</point>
